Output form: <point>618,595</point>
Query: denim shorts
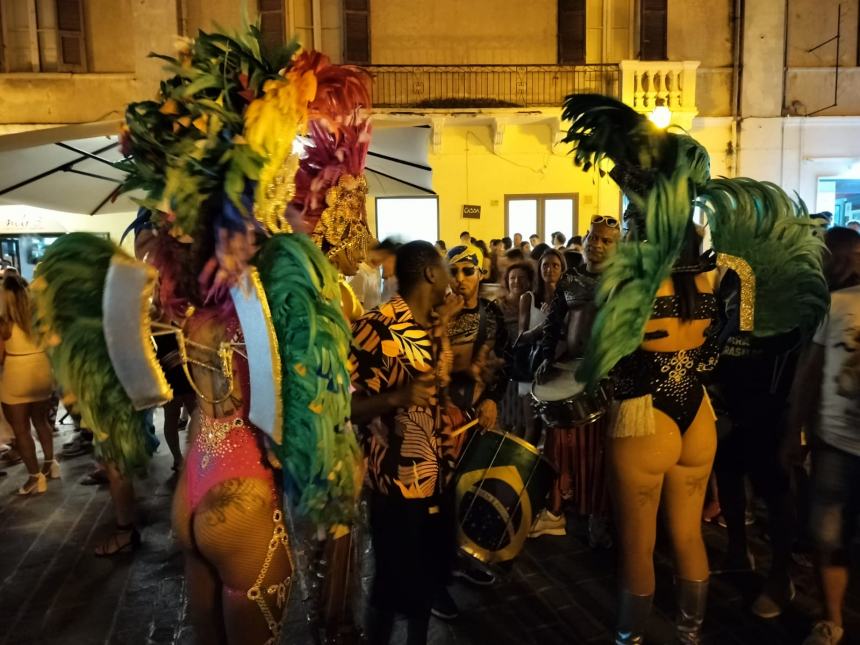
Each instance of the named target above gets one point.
<point>835,506</point>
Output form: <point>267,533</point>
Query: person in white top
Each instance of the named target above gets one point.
<point>830,372</point>
<point>368,282</point>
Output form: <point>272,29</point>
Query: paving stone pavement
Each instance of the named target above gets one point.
<point>54,591</point>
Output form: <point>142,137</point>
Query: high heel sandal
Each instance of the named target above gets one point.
<point>114,546</point>
<point>36,484</point>
<point>53,471</point>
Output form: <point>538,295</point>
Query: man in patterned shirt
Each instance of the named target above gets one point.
<point>400,364</point>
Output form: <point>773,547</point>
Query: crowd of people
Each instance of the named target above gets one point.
<point>472,396</point>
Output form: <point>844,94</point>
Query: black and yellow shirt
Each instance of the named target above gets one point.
<point>406,449</point>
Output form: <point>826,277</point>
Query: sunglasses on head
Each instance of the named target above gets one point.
<point>467,271</point>
<point>611,222</point>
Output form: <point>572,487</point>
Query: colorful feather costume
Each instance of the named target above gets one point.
<point>665,175</point>
<point>214,157</point>
<point>67,290</point>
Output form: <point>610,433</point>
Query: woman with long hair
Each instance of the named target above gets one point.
<point>534,307</point>
<point>26,386</point>
<point>517,280</point>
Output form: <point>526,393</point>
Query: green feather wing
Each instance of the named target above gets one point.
<point>67,290</point>
<point>759,222</point>
<point>629,283</point>
<point>319,451</point>
<point>604,127</point>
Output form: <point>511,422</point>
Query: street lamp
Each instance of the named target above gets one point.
<point>661,116</point>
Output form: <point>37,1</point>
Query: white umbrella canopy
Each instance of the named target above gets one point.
<point>64,169</point>
<point>69,168</point>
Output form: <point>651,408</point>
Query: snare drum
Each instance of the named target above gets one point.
<point>562,401</point>
<point>502,482</point>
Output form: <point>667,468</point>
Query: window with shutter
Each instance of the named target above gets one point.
<point>71,54</point>
<point>652,30</point>
<point>571,32</point>
<point>272,23</point>
<point>356,46</point>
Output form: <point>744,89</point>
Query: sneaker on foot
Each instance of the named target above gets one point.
<point>472,573</point>
<point>444,606</point>
<point>549,524</point>
<point>824,632</point>
<point>78,447</point>
<point>770,605</point>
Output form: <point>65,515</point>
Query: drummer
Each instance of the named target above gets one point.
<point>577,452</point>
<point>478,337</point>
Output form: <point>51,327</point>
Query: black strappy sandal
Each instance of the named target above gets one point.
<point>114,546</point>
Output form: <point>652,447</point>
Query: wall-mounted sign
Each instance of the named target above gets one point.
<point>471,211</point>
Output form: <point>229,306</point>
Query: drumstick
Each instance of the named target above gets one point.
<point>462,429</point>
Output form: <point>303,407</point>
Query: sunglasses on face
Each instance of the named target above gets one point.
<point>467,271</point>
<point>611,222</point>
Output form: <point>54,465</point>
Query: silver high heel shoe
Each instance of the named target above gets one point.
<point>692,601</point>
<point>633,612</point>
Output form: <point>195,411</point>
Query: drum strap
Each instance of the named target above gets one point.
<point>481,338</point>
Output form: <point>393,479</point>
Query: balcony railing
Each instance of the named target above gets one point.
<point>489,86</point>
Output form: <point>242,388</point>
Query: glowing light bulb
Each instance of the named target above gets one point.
<point>661,116</point>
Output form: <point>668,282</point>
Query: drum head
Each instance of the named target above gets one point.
<point>563,384</point>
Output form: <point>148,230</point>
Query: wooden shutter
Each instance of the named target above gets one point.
<point>272,23</point>
<point>356,31</point>
<point>652,30</point>
<point>71,47</point>
<point>571,32</point>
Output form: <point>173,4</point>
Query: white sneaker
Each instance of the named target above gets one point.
<point>824,632</point>
<point>548,524</point>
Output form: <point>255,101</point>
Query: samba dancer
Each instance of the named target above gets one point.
<point>656,333</point>
<point>264,347</point>
<point>400,363</point>
<point>577,452</point>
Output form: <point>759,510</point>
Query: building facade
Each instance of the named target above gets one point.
<point>467,94</point>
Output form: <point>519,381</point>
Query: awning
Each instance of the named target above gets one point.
<point>69,168</point>
<point>64,169</point>
<point>397,162</point>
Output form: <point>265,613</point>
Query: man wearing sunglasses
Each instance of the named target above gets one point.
<point>477,338</point>
<point>578,451</point>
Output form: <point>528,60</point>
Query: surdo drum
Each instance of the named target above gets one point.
<point>502,482</point>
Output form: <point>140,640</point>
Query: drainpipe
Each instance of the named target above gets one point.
<point>183,17</point>
<point>317,22</point>
<point>737,45</point>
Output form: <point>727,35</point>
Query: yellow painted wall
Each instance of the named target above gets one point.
<point>456,32</point>
<point>205,14</point>
<point>103,19</point>
<point>467,171</point>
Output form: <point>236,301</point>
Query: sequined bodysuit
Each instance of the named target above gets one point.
<point>673,379</point>
<point>228,447</point>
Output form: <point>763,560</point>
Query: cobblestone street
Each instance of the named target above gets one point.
<point>55,591</point>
